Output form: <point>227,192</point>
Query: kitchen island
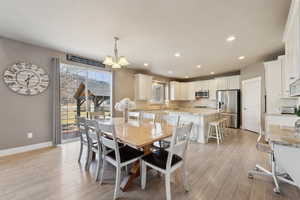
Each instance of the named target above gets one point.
<point>199,116</point>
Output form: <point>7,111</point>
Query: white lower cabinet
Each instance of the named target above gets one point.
<point>280,120</point>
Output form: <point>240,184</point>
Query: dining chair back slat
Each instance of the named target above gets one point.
<point>179,143</point>
<point>173,120</point>
<point>134,115</point>
<point>110,143</point>
<point>149,116</point>
<point>93,133</point>
<point>81,125</point>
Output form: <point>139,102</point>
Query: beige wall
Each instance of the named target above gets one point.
<point>23,114</point>
<point>252,71</point>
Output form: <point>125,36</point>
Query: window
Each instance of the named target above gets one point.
<point>159,93</point>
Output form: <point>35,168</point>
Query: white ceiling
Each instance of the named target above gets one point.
<point>153,30</point>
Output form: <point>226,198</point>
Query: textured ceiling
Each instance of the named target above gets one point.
<point>152,31</point>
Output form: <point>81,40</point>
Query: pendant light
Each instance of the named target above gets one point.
<point>116,62</point>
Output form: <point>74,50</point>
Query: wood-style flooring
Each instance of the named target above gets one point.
<point>216,172</point>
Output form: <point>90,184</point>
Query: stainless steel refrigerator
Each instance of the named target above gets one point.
<point>228,102</point>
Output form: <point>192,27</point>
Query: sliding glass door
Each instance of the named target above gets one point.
<point>84,92</point>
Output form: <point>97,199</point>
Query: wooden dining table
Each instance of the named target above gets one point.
<point>140,134</point>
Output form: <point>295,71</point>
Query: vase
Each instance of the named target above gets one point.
<point>125,115</point>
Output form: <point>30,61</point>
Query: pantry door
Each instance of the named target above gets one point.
<point>251,108</point>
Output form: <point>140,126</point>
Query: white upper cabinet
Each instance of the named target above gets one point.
<point>233,82</point>
<point>191,90</point>
<point>273,78</point>
<point>185,91</point>
<point>221,83</point>
<point>212,89</point>
<point>175,90</point>
<point>285,77</point>
<point>182,91</point>
<point>228,83</point>
<point>292,44</point>
<point>142,87</point>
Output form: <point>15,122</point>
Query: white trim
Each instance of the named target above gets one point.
<point>260,113</point>
<point>11,151</point>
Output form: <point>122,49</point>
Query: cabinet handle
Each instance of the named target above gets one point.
<point>292,78</point>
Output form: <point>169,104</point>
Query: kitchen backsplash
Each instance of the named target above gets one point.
<point>201,102</point>
<point>289,102</point>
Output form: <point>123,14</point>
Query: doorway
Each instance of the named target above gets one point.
<point>84,92</point>
<point>251,104</point>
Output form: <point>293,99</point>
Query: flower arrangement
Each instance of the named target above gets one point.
<point>123,106</point>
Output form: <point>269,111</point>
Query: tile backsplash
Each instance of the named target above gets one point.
<point>201,102</point>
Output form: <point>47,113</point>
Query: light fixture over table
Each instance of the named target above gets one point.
<point>116,62</point>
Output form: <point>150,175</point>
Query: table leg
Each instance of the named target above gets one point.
<point>134,172</point>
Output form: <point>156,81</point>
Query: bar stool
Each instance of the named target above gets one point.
<point>216,125</point>
<point>224,126</point>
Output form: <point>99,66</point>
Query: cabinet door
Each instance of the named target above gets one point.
<point>273,86</point>
<point>292,45</point>
<point>198,85</point>
<point>233,82</point>
<point>205,85</point>
<point>174,90</point>
<point>222,84</point>
<point>143,87</point>
<point>191,90</point>
<point>284,77</point>
<point>184,91</point>
<point>212,89</point>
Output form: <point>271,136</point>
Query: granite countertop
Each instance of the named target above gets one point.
<point>193,111</point>
<point>283,115</point>
<point>283,136</point>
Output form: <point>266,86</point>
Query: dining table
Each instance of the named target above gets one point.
<point>140,134</point>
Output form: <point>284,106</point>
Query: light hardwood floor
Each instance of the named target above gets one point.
<point>216,172</point>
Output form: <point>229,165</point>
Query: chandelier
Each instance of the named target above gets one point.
<point>116,62</point>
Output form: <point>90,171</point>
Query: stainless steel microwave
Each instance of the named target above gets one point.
<point>202,94</point>
<point>295,88</point>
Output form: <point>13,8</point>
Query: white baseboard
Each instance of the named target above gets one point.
<point>11,151</point>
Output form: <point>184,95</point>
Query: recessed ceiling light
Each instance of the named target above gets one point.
<point>199,66</point>
<point>146,64</point>
<point>241,57</point>
<point>230,38</point>
<point>177,55</point>
<point>170,72</point>
<point>186,77</point>
<point>212,72</point>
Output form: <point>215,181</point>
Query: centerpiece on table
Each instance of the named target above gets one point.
<point>123,106</point>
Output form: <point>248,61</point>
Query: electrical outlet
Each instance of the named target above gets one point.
<point>29,135</point>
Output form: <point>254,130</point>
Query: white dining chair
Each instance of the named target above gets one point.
<point>172,120</point>
<point>134,115</point>
<point>95,146</point>
<point>167,162</point>
<point>118,157</point>
<point>148,116</point>
<point>82,129</point>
